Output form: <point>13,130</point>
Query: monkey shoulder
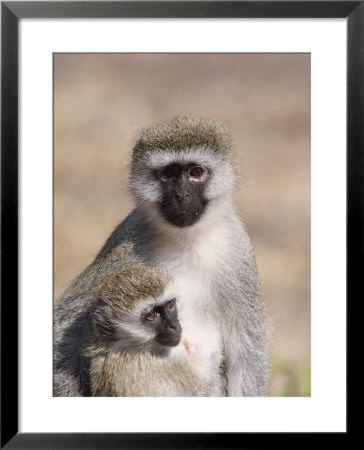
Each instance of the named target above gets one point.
<point>117,253</point>
<point>122,245</point>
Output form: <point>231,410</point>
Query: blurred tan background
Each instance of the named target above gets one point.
<point>100,102</point>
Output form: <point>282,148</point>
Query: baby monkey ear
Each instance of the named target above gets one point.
<point>102,319</point>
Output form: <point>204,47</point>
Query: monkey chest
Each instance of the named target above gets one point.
<point>201,336</point>
<point>195,273</point>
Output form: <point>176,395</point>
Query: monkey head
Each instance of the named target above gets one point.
<point>136,310</point>
<point>181,166</point>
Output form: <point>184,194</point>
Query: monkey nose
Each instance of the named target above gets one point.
<point>181,196</point>
<point>175,326</point>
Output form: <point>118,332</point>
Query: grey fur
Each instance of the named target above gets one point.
<point>233,305</point>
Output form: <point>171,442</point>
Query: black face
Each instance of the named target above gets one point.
<point>163,319</point>
<point>183,193</point>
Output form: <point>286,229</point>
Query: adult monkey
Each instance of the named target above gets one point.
<point>183,178</point>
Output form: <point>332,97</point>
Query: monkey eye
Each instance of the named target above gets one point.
<point>196,172</point>
<point>152,316</point>
<point>168,173</point>
<point>170,305</point>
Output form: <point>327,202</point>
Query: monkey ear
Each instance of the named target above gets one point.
<point>102,319</point>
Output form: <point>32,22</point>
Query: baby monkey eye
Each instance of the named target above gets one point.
<point>152,316</point>
<point>170,305</point>
<point>196,172</point>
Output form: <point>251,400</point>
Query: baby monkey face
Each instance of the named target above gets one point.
<point>163,320</point>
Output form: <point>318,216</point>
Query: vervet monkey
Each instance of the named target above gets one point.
<point>136,348</point>
<point>183,178</point>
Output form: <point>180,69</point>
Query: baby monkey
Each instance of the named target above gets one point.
<point>136,349</point>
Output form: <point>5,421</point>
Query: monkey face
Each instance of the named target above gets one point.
<point>136,310</point>
<point>183,185</point>
<point>162,167</point>
<point>163,320</point>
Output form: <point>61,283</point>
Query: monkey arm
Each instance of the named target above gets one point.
<point>244,340</point>
<point>71,314</point>
<point>246,364</point>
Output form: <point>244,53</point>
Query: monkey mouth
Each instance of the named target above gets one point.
<point>171,341</point>
<point>182,218</point>
<point>182,214</point>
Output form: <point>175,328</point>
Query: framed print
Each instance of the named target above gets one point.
<point>78,81</point>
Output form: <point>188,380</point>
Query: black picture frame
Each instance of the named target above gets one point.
<point>11,12</point>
